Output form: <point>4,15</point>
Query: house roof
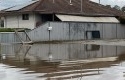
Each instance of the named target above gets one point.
<point>64,7</point>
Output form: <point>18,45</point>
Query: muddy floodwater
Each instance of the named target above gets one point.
<point>62,62</point>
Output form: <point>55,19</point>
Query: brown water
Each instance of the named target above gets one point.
<point>62,62</point>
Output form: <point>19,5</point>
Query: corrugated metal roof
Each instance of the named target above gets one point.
<point>18,7</point>
<point>87,19</point>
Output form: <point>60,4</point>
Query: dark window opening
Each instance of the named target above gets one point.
<point>2,23</point>
<point>49,17</point>
<point>45,18</point>
<point>93,34</point>
<point>25,16</point>
<point>96,34</point>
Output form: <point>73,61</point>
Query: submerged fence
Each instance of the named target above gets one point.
<point>11,37</point>
<point>63,31</point>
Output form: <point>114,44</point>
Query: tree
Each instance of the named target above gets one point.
<point>117,7</point>
<point>123,8</point>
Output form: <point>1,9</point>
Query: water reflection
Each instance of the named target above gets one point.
<point>62,62</point>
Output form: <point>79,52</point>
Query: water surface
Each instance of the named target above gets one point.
<point>62,62</point>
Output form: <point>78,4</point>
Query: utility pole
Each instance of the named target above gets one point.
<point>99,1</point>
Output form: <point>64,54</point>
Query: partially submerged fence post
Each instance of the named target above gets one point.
<point>17,34</point>
<point>23,42</point>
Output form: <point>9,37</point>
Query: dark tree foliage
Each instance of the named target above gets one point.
<point>117,7</point>
<point>123,8</point>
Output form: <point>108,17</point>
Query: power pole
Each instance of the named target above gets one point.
<point>99,2</point>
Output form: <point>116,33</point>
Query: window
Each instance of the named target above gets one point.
<point>2,23</point>
<point>25,16</point>
<point>96,34</point>
<point>93,34</point>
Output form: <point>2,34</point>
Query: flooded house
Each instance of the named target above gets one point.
<point>65,20</point>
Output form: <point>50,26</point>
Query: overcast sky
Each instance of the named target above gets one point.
<point>9,3</point>
<point>112,2</point>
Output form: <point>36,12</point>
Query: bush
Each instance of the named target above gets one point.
<point>122,20</point>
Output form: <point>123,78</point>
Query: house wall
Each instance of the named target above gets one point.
<point>11,22</point>
<point>16,21</point>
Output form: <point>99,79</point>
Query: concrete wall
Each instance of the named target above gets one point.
<point>16,21</point>
<point>76,31</point>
